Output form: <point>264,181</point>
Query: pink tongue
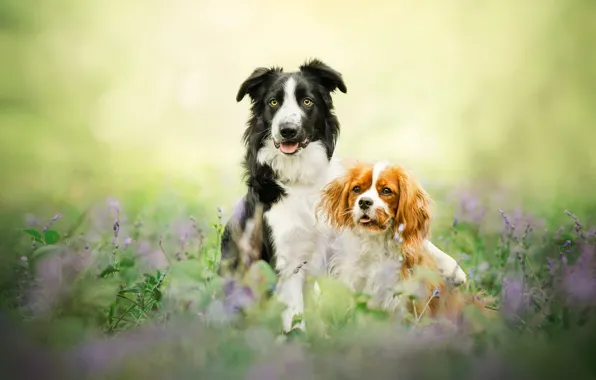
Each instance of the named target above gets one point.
<point>288,148</point>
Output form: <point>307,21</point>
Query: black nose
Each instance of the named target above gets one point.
<point>365,203</point>
<point>288,131</point>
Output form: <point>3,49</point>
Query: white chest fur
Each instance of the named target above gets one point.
<point>299,241</point>
<point>296,235</point>
<point>293,231</point>
<point>369,266</point>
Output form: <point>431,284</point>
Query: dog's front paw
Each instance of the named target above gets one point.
<point>292,321</point>
<point>458,276</point>
<point>455,275</point>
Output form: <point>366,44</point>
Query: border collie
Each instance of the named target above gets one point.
<point>290,140</point>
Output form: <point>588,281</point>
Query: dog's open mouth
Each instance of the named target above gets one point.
<point>290,147</point>
<point>367,221</point>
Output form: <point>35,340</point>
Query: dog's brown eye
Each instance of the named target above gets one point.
<point>273,103</point>
<point>356,189</point>
<point>307,102</point>
<point>386,191</point>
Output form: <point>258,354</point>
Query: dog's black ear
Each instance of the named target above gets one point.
<point>254,81</point>
<point>329,78</point>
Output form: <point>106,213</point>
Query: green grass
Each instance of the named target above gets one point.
<point>133,293</point>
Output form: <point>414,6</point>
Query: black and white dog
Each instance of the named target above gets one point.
<point>290,140</point>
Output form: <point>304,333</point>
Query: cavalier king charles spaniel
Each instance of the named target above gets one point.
<point>383,217</point>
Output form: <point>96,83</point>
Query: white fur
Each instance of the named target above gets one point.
<point>289,112</point>
<point>295,235</point>
<point>306,167</point>
<point>448,267</point>
<point>370,262</point>
<point>373,194</point>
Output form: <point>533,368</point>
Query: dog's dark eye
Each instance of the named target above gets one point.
<point>307,102</point>
<point>273,102</point>
<point>356,189</point>
<point>386,191</point>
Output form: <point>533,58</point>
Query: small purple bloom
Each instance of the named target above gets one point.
<point>436,293</point>
<point>238,298</point>
<point>51,222</point>
<point>513,295</point>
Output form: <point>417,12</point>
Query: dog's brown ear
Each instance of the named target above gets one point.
<point>334,202</point>
<point>254,82</point>
<point>413,213</point>
<point>328,77</point>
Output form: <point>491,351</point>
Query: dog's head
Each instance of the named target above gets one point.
<point>292,109</point>
<point>378,199</point>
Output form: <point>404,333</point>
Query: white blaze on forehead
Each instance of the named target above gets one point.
<point>377,170</point>
<point>372,192</point>
<point>289,112</point>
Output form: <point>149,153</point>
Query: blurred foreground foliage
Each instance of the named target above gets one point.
<point>115,295</point>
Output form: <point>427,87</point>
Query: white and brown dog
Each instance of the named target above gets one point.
<point>384,218</point>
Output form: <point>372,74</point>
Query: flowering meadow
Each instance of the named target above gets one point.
<point>120,136</point>
<point>113,293</point>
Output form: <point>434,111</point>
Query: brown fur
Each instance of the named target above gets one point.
<point>337,200</point>
<point>409,205</point>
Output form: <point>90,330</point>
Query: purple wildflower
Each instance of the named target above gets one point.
<point>237,297</point>
<point>436,293</point>
<point>471,209</point>
<point>508,224</point>
<point>513,295</point>
<point>51,222</point>
<point>577,224</point>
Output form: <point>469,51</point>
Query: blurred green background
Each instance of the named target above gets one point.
<point>133,97</point>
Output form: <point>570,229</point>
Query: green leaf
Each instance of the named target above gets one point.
<point>34,234</point>
<point>130,290</point>
<point>295,333</point>
<point>51,237</point>
<point>127,262</point>
<point>44,250</point>
<point>157,295</point>
<point>109,270</point>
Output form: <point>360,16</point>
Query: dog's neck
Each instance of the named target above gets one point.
<point>377,246</point>
<point>307,168</point>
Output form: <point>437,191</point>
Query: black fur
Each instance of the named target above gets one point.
<point>315,80</point>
